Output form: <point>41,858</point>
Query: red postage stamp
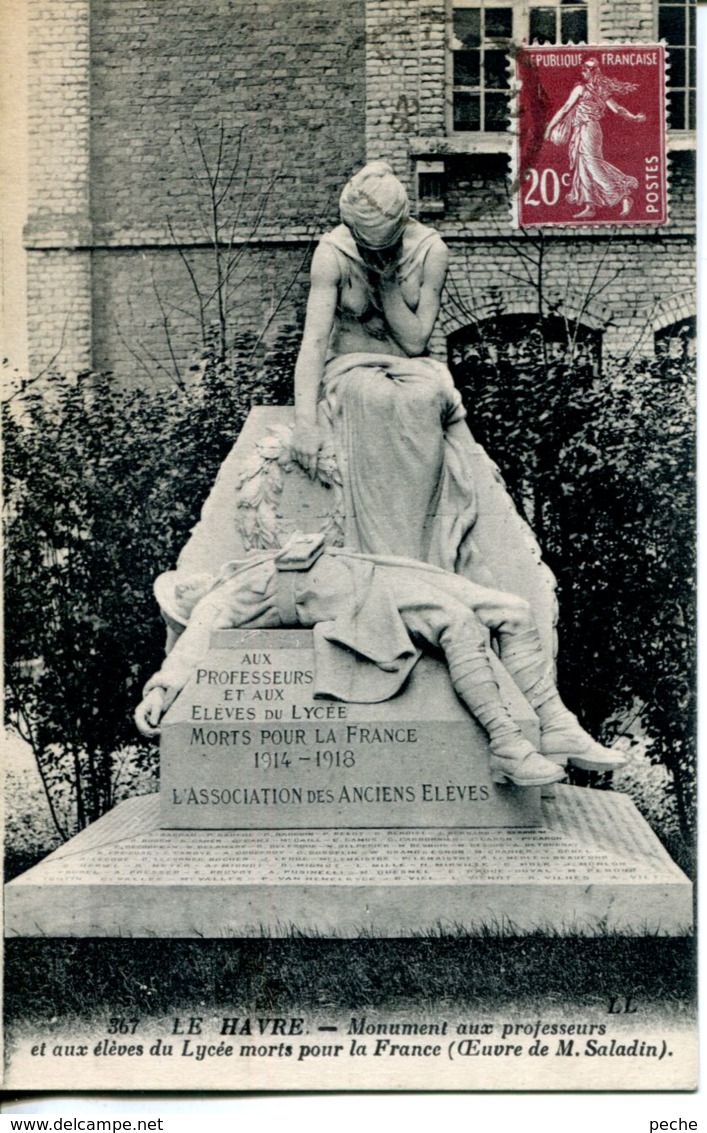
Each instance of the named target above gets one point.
<point>591,140</point>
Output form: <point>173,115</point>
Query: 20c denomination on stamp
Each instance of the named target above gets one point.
<point>590,135</point>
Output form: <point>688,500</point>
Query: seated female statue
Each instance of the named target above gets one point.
<point>365,383</point>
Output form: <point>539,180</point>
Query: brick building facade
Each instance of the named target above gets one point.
<point>131,102</point>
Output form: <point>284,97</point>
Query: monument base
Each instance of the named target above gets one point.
<point>228,761</point>
<point>594,866</point>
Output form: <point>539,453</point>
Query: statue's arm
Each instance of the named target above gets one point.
<point>190,647</point>
<point>150,711</point>
<point>412,329</point>
<point>622,112</point>
<point>319,320</point>
<point>564,109</point>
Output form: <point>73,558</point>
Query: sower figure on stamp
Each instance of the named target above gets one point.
<point>595,182</point>
<point>368,612</point>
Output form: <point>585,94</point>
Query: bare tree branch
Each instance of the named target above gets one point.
<point>197,187</point>
<point>152,357</point>
<point>234,168</point>
<point>287,291</point>
<point>195,286</point>
<point>25,731</point>
<point>167,329</point>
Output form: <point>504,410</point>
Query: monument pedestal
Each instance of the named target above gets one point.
<point>247,746</point>
<point>594,866</point>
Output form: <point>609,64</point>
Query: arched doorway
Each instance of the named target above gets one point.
<point>678,340</point>
<point>521,379</point>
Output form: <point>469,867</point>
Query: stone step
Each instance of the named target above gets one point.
<point>595,866</point>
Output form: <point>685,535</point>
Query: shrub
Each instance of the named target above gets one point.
<point>601,461</point>
<point>628,573</point>
<point>102,486</point>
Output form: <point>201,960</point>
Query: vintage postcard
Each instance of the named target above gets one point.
<point>349,546</point>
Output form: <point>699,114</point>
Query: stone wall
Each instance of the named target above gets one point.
<point>144,311</point>
<point>126,94</point>
<point>634,275</point>
<point>59,121</point>
<point>58,222</point>
<point>605,285</point>
<point>284,77</point>
<point>405,77</point>
<point>638,16</point>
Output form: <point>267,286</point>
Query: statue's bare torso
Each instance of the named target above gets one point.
<point>361,325</point>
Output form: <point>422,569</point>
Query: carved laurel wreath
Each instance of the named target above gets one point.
<point>259,488</point>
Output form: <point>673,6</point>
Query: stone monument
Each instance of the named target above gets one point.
<point>280,812</point>
<point>416,760</point>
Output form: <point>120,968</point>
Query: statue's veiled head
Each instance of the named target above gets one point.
<point>374,206</point>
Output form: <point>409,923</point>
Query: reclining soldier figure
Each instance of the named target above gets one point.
<point>368,613</point>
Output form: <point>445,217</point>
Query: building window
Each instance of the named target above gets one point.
<point>677,24</point>
<point>481,33</point>
<point>481,36</point>
<point>566,22</point>
<point>431,184</point>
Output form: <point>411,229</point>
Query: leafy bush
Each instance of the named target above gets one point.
<point>629,565</point>
<point>102,486</point>
<point>601,461</point>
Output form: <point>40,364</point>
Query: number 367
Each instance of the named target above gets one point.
<point>548,184</point>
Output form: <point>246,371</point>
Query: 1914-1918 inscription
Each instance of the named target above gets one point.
<point>247,745</point>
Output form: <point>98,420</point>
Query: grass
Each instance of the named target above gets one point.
<point>80,979</point>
